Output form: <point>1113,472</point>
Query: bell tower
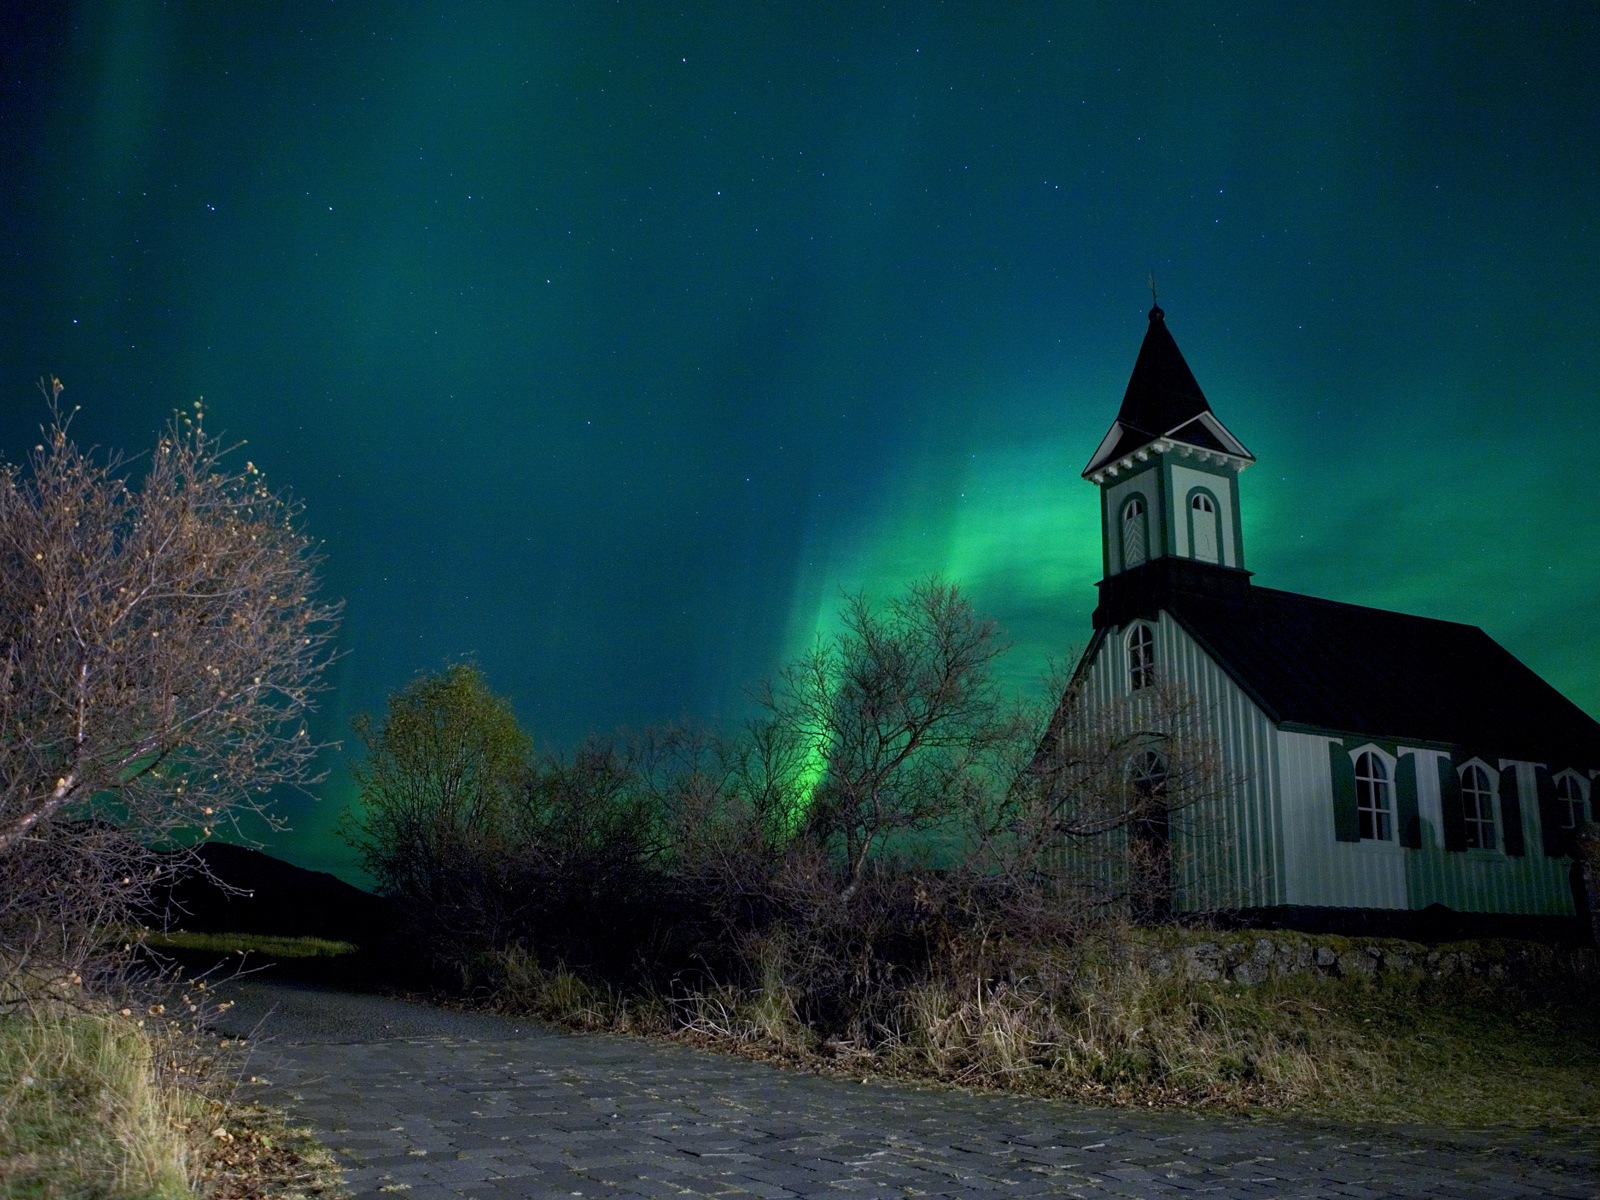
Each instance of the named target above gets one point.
<point>1168,473</point>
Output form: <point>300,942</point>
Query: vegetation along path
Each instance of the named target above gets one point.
<point>429,1103</point>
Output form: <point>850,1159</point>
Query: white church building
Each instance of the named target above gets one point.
<point>1382,772</point>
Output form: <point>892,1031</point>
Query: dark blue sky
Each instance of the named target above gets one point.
<point>607,343</point>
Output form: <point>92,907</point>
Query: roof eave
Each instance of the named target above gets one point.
<point>1097,471</point>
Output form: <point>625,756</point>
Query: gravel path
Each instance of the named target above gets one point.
<point>425,1103</point>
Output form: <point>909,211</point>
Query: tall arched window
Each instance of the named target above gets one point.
<point>1569,801</point>
<point>1135,543</point>
<point>1374,798</point>
<point>1141,657</point>
<point>1477,805</point>
<point>1148,773</point>
<point>1203,527</point>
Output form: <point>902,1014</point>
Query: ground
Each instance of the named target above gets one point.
<point>430,1103</point>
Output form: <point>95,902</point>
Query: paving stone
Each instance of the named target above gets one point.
<point>510,1109</point>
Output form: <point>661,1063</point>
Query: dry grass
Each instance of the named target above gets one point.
<point>113,1105</point>
<point>1100,1025</point>
<point>84,1112</point>
<point>515,982</point>
<point>1118,1033</point>
<point>255,1154</point>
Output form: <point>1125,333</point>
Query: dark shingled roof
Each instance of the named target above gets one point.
<point>1162,393</point>
<point>1386,675</point>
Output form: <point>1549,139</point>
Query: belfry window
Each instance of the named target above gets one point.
<point>1141,657</point>
<point>1203,527</point>
<point>1135,542</point>
<point>1374,798</point>
<point>1477,806</point>
<point>1569,801</point>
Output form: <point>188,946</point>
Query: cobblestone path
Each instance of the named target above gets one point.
<point>424,1104</point>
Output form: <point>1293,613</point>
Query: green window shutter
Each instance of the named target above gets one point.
<point>1346,825</point>
<point>1405,787</point>
<point>1554,836</point>
<point>1455,820</point>
<point>1511,812</point>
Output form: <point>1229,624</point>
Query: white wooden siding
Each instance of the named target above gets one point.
<point>1323,871</point>
<point>1226,855</point>
<point>1185,480</point>
<point>1269,840</point>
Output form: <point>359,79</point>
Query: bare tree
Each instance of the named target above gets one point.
<point>899,716</point>
<point>161,640</point>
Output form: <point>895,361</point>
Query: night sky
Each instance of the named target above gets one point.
<point>607,343</point>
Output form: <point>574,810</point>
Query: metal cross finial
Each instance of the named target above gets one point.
<point>1153,299</point>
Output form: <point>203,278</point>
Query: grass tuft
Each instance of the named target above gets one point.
<point>84,1112</point>
<point>116,1106</point>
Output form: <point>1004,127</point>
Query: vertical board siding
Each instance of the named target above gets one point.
<point>1268,839</point>
<point>1220,483</point>
<point>1225,853</point>
<point>1321,870</point>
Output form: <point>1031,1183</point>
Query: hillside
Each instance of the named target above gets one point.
<point>263,894</point>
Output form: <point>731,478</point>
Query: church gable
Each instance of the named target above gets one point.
<point>1144,675</point>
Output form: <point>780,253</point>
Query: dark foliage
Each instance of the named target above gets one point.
<point>884,821</point>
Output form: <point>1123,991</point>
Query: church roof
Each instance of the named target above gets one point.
<point>1162,392</point>
<point>1386,675</point>
<point>1163,402</point>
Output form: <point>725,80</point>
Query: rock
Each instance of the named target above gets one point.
<point>1357,962</point>
<point>1252,971</point>
<point>1204,962</point>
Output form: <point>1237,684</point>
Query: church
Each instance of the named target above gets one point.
<point>1381,772</point>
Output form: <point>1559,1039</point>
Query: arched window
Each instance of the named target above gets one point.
<point>1569,801</point>
<point>1141,657</point>
<point>1148,773</point>
<point>1477,804</point>
<point>1203,527</point>
<point>1135,543</point>
<point>1374,798</point>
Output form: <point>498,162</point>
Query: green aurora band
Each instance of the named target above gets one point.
<point>611,347</point>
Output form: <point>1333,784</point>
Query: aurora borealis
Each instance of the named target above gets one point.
<point>606,343</point>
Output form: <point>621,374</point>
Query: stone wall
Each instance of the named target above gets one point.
<point>1256,958</point>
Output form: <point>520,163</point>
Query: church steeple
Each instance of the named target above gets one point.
<point>1168,468</point>
<point>1163,402</point>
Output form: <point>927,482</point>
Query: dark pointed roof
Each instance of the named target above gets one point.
<point>1325,665</point>
<point>1162,392</point>
<point>1163,403</point>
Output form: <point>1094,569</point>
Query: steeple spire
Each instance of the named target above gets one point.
<point>1163,403</point>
